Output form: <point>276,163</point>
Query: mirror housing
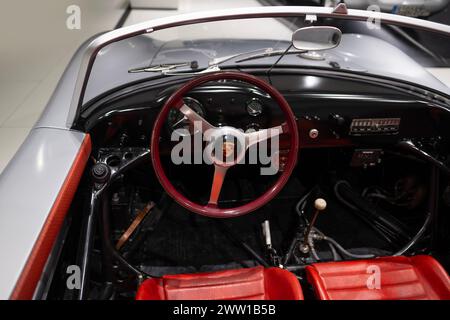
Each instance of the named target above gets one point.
<point>316,38</point>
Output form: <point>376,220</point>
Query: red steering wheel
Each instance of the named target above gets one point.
<point>212,209</point>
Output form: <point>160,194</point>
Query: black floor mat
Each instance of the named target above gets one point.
<point>185,239</point>
<point>187,242</point>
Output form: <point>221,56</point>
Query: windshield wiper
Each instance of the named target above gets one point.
<point>162,67</point>
<point>218,61</point>
<point>213,65</point>
<point>271,54</point>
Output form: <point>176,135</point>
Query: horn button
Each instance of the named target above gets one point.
<point>226,146</point>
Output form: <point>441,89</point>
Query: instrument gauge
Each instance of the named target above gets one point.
<point>254,107</point>
<point>252,127</point>
<point>177,121</point>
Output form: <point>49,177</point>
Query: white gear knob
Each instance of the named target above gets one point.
<point>320,204</point>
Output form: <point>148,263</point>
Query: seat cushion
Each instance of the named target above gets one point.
<point>418,277</point>
<point>252,283</point>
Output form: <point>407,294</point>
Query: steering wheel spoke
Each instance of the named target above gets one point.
<point>216,188</point>
<point>194,117</point>
<point>264,134</point>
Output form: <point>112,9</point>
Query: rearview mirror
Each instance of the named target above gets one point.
<point>316,38</point>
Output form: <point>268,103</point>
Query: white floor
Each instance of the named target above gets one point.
<point>33,55</point>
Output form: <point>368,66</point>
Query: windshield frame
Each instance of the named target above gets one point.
<point>341,12</point>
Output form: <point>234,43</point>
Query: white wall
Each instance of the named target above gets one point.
<point>33,33</point>
<point>35,47</point>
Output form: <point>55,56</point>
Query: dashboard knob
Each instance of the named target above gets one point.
<point>100,172</point>
<point>313,133</point>
<point>337,119</point>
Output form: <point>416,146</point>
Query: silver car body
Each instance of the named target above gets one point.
<point>414,8</point>
<point>32,181</point>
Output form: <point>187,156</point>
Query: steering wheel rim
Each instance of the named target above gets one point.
<point>211,210</point>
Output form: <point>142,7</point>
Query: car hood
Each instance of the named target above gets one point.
<point>356,52</point>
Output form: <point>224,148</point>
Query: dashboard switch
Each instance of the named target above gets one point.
<point>313,133</point>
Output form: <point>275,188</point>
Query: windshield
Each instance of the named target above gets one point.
<point>367,47</point>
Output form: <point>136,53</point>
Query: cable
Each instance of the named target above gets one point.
<point>347,253</point>
<point>409,146</point>
<point>333,252</point>
<point>330,245</point>
<point>300,206</point>
<point>291,249</point>
<point>386,226</point>
<point>335,245</point>
<point>416,237</point>
<point>402,251</point>
<point>340,198</point>
<point>313,249</point>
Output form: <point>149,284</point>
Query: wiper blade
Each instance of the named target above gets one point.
<point>220,60</point>
<point>169,68</point>
<point>269,54</point>
<point>161,67</point>
<point>210,69</point>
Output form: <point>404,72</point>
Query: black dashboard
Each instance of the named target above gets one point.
<point>330,112</point>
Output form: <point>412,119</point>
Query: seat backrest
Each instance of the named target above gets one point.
<point>386,278</point>
<point>252,283</point>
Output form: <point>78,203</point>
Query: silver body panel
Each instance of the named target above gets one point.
<point>355,52</point>
<point>29,186</point>
<point>388,5</point>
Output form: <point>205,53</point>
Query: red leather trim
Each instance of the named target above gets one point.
<point>34,266</point>
<point>240,284</point>
<point>282,285</point>
<point>401,278</point>
<point>208,210</point>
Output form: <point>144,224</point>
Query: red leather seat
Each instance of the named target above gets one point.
<point>418,277</point>
<point>252,283</point>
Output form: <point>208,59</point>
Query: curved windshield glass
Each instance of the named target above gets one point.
<point>367,47</point>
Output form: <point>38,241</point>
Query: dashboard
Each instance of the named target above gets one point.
<point>330,112</point>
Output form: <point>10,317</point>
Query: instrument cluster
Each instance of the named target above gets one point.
<point>321,122</point>
<point>244,110</point>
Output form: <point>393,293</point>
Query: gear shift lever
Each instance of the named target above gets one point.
<point>319,205</point>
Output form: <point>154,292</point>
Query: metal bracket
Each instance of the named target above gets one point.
<point>341,8</point>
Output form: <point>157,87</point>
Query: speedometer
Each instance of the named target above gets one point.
<point>177,121</point>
